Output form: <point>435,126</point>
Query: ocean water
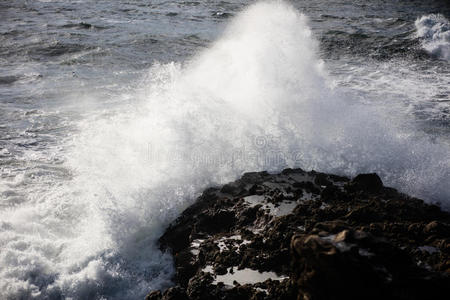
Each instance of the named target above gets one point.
<point>115,115</point>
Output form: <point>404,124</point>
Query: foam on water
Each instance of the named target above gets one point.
<point>257,99</point>
<point>434,29</point>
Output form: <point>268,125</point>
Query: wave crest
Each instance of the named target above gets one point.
<point>434,30</point>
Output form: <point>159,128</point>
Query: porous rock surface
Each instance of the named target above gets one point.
<point>308,235</point>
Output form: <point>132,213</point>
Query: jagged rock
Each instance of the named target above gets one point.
<point>154,295</point>
<point>367,182</point>
<point>173,293</point>
<point>355,265</point>
<point>308,235</point>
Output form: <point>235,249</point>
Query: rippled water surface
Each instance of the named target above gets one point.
<point>114,115</point>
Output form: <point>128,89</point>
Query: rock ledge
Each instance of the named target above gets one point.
<point>308,235</point>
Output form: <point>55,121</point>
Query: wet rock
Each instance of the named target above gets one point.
<point>175,293</point>
<point>355,265</point>
<point>367,182</point>
<point>154,295</point>
<point>333,193</point>
<point>322,180</point>
<point>436,227</point>
<point>216,221</point>
<point>308,235</point>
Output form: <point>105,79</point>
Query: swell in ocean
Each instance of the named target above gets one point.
<point>258,98</point>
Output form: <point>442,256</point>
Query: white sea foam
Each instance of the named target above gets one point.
<point>434,29</point>
<point>257,99</point>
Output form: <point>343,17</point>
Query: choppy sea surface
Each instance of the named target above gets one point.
<point>115,115</point>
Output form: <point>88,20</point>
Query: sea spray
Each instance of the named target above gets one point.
<point>434,30</point>
<point>257,99</point>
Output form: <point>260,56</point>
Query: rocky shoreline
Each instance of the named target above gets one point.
<point>308,235</point>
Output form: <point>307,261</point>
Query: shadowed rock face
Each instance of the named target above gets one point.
<point>308,235</point>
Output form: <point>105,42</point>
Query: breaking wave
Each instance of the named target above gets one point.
<point>257,99</point>
<point>434,30</point>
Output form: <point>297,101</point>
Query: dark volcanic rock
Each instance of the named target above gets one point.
<point>355,265</point>
<point>308,235</point>
<point>366,182</point>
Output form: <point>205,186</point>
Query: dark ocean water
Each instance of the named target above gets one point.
<point>114,115</point>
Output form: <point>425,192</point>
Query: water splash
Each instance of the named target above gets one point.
<point>257,99</point>
<point>434,30</point>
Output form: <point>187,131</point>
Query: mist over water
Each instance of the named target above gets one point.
<point>258,98</point>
